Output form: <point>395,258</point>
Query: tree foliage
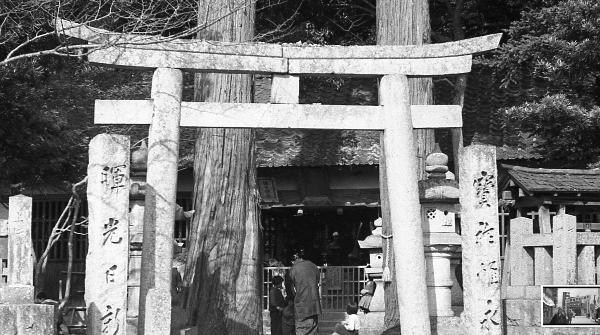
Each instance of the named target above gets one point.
<point>46,116</point>
<point>560,129</point>
<point>316,21</point>
<point>559,43</point>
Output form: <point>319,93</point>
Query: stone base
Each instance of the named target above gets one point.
<point>447,325</point>
<point>519,313</point>
<point>523,317</point>
<point>132,324</point>
<point>551,331</point>
<point>16,294</point>
<point>27,319</point>
<point>371,323</point>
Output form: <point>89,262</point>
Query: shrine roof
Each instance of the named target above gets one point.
<point>286,147</point>
<point>506,152</point>
<point>535,180</point>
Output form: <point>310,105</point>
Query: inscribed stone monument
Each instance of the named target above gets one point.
<point>108,234</point>
<point>480,240</point>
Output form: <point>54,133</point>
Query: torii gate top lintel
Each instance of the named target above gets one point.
<point>145,51</point>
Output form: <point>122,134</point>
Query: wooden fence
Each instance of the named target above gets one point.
<point>558,255</point>
<point>339,285</point>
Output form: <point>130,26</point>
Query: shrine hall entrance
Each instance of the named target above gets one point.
<point>327,234</point>
<point>329,237</point>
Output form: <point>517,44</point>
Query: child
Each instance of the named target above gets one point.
<point>351,325</point>
<point>276,304</point>
<point>366,295</point>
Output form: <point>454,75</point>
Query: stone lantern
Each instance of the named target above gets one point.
<point>439,195</point>
<point>372,322</point>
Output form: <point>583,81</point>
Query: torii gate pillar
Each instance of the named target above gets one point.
<point>405,208</point>
<point>159,214</point>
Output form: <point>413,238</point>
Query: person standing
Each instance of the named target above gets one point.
<point>288,314</point>
<point>305,279</point>
<point>570,315</point>
<point>334,250</point>
<point>559,318</point>
<point>276,305</point>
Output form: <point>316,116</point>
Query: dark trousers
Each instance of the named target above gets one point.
<point>276,323</point>
<point>308,326</point>
<point>288,328</point>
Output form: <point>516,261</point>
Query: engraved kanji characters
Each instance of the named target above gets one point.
<point>110,274</point>
<point>489,319</point>
<point>484,187</point>
<point>484,233</point>
<point>111,231</point>
<point>114,177</point>
<point>110,322</point>
<point>489,272</point>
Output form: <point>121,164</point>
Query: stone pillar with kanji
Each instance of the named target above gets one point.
<point>480,240</point>
<point>108,234</point>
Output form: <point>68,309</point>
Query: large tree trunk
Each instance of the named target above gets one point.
<point>404,23</point>
<point>460,85</point>
<point>223,270</point>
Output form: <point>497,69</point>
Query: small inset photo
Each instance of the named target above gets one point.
<point>570,306</point>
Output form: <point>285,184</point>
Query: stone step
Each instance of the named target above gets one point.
<point>327,322</point>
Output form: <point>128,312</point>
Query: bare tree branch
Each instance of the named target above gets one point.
<point>76,203</point>
<point>68,215</point>
<point>28,27</point>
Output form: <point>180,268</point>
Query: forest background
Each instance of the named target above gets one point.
<point>46,102</point>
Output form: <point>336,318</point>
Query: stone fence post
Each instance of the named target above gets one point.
<point>521,263</point>
<point>564,261</point>
<point>18,313</point>
<point>20,247</point>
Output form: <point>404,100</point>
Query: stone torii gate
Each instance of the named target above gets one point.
<point>165,113</point>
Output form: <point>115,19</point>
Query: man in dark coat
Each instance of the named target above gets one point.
<point>305,278</point>
<point>559,318</point>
